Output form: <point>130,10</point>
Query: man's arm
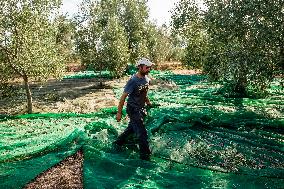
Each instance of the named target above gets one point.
<point>120,106</point>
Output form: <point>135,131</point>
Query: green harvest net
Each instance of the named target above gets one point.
<point>89,75</point>
<point>199,139</point>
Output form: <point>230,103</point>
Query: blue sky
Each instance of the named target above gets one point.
<point>159,9</point>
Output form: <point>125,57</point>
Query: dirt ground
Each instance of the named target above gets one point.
<point>66,174</point>
<point>68,95</point>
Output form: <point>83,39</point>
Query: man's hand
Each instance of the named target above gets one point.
<point>118,116</point>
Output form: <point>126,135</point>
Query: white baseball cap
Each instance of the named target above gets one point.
<point>145,62</point>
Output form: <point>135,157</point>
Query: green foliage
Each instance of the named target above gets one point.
<point>133,36</point>
<point>87,35</point>
<point>177,50</point>
<point>113,52</point>
<point>114,33</point>
<point>159,43</point>
<point>101,39</point>
<point>28,39</point>
<point>134,17</point>
<point>189,25</point>
<point>65,36</point>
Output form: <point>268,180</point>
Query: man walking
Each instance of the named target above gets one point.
<point>136,89</point>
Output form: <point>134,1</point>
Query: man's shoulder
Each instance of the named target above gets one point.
<point>135,78</point>
<point>132,80</point>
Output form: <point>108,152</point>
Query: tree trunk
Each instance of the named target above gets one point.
<point>240,88</point>
<point>241,83</point>
<point>29,95</point>
<point>101,79</point>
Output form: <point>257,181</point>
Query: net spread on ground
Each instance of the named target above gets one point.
<point>198,138</point>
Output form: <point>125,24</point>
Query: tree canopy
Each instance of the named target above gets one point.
<point>238,42</point>
<point>137,36</point>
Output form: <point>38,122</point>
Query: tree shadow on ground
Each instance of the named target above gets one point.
<point>46,94</point>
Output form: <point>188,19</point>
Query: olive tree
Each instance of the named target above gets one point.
<point>246,42</point>
<point>28,42</point>
<point>134,15</point>
<point>113,52</point>
<point>188,25</point>
<point>237,42</point>
<point>101,37</point>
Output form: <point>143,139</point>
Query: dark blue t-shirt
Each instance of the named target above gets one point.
<point>137,89</point>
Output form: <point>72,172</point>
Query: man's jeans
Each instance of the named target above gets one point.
<point>136,126</point>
